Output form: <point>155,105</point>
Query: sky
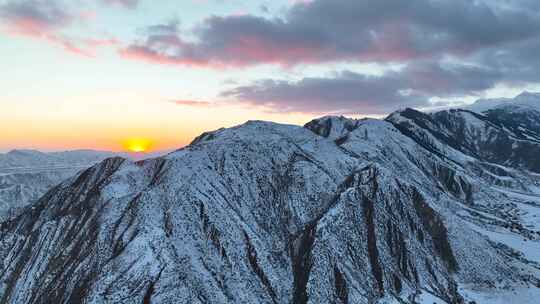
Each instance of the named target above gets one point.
<point>102,73</point>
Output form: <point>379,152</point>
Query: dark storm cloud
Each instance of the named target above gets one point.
<point>350,30</point>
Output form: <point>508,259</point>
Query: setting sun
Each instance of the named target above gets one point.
<point>137,144</point>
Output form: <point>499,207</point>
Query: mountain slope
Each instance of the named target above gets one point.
<point>340,211</point>
<point>475,135</point>
<point>525,100</point>
<point>521,114</point>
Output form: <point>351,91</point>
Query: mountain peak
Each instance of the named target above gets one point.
<point>524,100</point>
<point>530,99</point>
<point>24,152</point>
<point>528,94</point>
<point>247,130</point>
<point>406,113</point>
<point>332,127</point>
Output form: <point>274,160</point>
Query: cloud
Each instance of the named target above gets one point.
<point>518,63</point>
<point>513,65</point>
<point>34,18</point>
<point>192,103</point>
<point>346,93</point>
<point>344,30</point>
<point>39,20</point>
<point>45,20</point>
<point>161,41</point>
<point>450,49</point>
<point>123,3</point>
<point>349,92</point>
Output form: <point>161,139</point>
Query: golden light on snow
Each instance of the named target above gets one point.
<point>137,144</point>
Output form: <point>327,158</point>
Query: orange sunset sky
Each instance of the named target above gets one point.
<point>99,73</point>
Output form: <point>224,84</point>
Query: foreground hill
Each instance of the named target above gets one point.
<point>416,208</point>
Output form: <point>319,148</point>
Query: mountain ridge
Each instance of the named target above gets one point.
<point>339,211</point>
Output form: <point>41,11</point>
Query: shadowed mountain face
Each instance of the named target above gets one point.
<point>494,137</point>
<point>338,211</point>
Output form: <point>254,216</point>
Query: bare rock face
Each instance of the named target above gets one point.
<point>338,211</point>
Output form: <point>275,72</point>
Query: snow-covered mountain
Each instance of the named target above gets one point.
<point>525,100</point>
<point>25,175</point>
<point>416,208</point>
<point>521,114</point>
<point>34,159</point>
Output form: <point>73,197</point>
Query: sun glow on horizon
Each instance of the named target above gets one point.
<point>138,145</point>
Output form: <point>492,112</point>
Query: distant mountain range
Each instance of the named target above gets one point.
<point>25,175</point>
<point>524,101</point>
<point>416,208</point>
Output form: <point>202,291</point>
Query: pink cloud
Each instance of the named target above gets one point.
<point>193,103</point>
<point>95,43</point>
<point>243,40</point>
<point>45,21</point>
<point>68,45</point>
<point>142,53</point>
<point>319,31</point>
